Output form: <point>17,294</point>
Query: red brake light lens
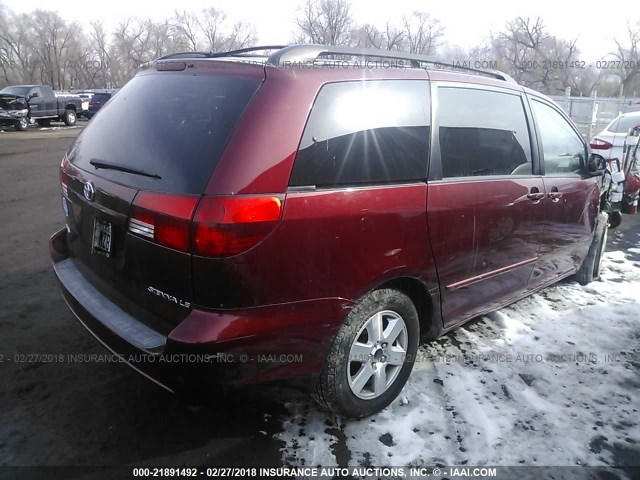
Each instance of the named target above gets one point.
<point>166,219</point>
<point>226,226</point>
<point>64,182</point>
<point>598,144</point>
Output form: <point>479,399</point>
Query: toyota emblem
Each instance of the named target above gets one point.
<point>89,191</point>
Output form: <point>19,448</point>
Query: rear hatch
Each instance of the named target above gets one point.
<point>97,101</point>
<point>133,179</point>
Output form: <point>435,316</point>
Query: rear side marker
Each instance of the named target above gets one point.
<point>165,219</point>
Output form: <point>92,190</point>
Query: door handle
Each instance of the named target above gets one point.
<point>535,195</point>
<point>554,194</point>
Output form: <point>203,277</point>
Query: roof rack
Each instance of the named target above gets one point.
<point>310,53</point>
<point>230,53</point>
<point>292,54</point>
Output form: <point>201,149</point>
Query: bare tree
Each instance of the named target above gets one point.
<point>17,56</point>
<point>629,60</point>
<point>540,60</point>
<point>101,62</point>
<point>326,22</point>
<point>185,27</point>
<point>209,29</point>
<point>42,47</point>
<point>518,48</point>
<point>54,42</point>
<point>423,33</point>
<point>369,36</point>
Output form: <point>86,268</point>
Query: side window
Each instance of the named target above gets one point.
<point>482,133</point>
<point>562,148</point>
<point>365,133</point>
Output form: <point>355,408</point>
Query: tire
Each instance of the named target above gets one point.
<point>615,219</point>
<point>347,386</point>
<point>69,118</point>
<point>592,263</point>
<point>22,124</point>
<point>45,122</point>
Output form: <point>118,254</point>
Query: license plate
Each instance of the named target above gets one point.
<point>101,237</point>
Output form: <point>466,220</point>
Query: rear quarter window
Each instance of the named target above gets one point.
<point>365,133</point>
<point>624,124</point>
<point>172,125</point>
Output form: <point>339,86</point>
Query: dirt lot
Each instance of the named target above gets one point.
<point>89,413</point>
<point>60,413</point>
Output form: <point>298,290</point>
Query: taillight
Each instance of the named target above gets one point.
<point>598,144</point>
<point>226,226</point>
<point>64,182</point>
<point>165,219</point>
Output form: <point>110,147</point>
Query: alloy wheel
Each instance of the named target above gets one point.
<point>377,355</point>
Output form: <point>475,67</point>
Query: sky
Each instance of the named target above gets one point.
<point>467,23</point>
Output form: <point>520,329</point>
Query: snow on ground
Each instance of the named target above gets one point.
<point>59,128</point>
<point>551,380</point>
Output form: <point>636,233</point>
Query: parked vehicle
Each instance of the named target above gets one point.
<point>612,144</point>
<point>43,105</point>
<point>297,219</point>
<point>13,110</point>
<point>86,98</point>
<point>96,103</point>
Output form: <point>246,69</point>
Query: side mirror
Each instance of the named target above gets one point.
<point>33,95</point>
<point>596,165</point>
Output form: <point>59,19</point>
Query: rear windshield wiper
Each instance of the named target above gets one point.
<point>121,168</point>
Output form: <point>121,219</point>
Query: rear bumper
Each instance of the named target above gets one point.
<point>232,347</point>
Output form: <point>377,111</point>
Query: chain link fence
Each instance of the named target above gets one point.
<point>592,114</point>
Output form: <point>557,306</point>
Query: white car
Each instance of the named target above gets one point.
<point>609,142</point>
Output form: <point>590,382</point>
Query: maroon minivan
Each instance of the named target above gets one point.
<point>234,219</point>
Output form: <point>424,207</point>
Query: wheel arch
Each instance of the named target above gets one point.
<point>419,294</point>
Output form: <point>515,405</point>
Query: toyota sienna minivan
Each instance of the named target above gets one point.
<point>316,213</point>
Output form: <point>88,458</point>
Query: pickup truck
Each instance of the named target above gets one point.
<point>21,104</point>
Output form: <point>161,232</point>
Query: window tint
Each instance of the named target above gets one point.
<point>482,133</point>
<point>171,125</point>
<point>365,132</point>
<point>101,97</point>
<point>562,148</point>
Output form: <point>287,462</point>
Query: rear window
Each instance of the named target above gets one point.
<point>624,124</point>
<point>101,97</point>
<point>171,126</point>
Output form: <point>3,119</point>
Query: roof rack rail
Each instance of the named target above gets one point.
<point>310,53</point>
<point>291,54</point>
<point>240,51</point>
<point>183,55</point>
<point>230,53</point>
